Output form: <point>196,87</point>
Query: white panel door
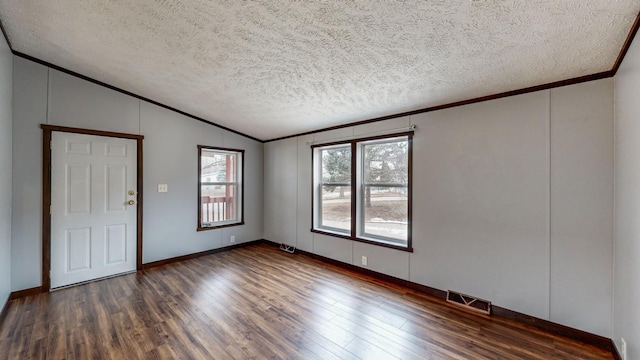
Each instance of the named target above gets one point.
<point>93,225</point>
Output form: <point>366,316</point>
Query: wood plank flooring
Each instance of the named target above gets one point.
<point>257,302</point>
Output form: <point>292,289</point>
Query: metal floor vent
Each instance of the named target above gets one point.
<point>288,248</point>
<point>469,302</point>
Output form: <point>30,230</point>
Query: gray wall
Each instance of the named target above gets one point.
<point>170,157</point>
<point>47,96</point>
<point>582,205</point>
<point>6,91</point>
<point>513,203</point>
<point>626,314</point>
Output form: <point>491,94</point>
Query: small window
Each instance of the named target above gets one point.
<point>220,187</point>
<point>362,190</point>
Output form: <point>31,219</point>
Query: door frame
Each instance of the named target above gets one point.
<point>46,193</point>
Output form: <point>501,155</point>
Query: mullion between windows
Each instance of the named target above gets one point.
<point>354,186</point>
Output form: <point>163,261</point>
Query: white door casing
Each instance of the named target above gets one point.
<point>93,225</point>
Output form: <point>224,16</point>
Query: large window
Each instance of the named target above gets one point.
<point>220,187</point>
<point>362,190</point>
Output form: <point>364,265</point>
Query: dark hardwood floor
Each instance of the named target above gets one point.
<point>260,303</point>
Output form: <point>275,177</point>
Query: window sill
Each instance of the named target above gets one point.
<point>366,241</point>
<point>204,228</point>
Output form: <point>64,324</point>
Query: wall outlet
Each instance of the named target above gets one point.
<point>364,260</point>
<point>232,239</point>
<point>623,349</point>
<point>163,188</point>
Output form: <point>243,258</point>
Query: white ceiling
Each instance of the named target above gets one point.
<point>276,68</point>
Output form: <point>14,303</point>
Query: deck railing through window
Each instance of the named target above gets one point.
<point>217,208</point>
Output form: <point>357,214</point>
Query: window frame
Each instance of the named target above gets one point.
<point>318,192</point>
<point>356,232</point>
<point>238,183</point>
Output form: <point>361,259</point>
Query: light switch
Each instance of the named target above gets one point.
<point>163,188</point>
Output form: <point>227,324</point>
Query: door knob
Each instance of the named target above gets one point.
<point>131,192</point>
<point>132,202</point>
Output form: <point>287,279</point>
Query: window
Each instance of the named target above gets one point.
<point>335,189</point>
<point>362,190</point>
<point>220,187</point>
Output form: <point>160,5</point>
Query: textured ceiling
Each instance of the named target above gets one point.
<point>276,68</point>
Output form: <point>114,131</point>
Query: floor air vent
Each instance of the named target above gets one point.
<point>469,302</point>
<point>288,248</point>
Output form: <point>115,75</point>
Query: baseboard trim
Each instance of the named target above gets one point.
<point>378,276</point>
<point>39,289</point>
<point>436,293</point>
<point>26,292</point>
<point>598,341</point>
<point>497,311</point>
<point>172,260</point>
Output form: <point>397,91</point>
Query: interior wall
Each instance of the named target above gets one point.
<point>48,96</point>
<point>481,223</point>
<point>281,189</point>
<point>495,212</point>
<point>626,312</point>
<point>582,205</point>
<point>29,111</point>
<point>6,96</point>
<point>171,157</point>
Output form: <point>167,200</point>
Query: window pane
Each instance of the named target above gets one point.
<point>386,212</point>
<point>336,165</point>
<point>385,209</point>
<point>219,203</point>
<point>336,207</point>
<point>386,162</point>
<point>335,201</point>
<point>217,166</point>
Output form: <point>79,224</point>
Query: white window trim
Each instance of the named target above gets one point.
<point>239,185</point>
